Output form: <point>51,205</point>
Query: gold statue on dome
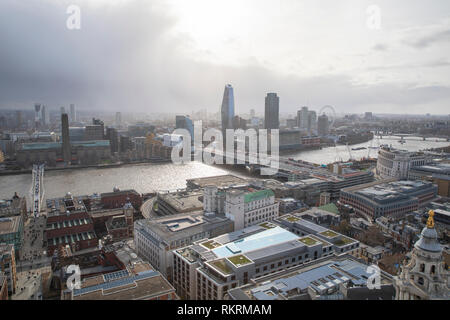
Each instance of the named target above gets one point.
<point>430,221</point>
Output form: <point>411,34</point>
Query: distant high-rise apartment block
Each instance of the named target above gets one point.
<point>63,110</point>
<point>227,110</point>
<point>37,114</point>
<point>272,110</point>
<point>118,119</point>
<point>44,115</point>
<point>303,118</point>
<point>67,154</point>
<point>19,118</point>
<point>73,114</point>
<point>323,127</point>
<point>252,113</point>
<point>312,121</point>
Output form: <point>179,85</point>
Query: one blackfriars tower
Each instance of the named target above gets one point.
<point>272,111</point>
<point>227,110</point>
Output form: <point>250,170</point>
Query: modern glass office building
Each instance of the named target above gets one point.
<point>227,110</point>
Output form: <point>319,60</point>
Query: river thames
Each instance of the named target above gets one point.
<point>156,177</point>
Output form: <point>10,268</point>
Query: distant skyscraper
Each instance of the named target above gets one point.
<point>118,119</point>
<point>37,115</point>
<point>63,110</point>
<point>19,118</point>
<point>44,115</point>
<point>184,122</point>
<point>312,121</point>
<point>67,154</point>
<point>73,113</point>
<point>227,108</point>
<point>323,125</point>
<point>272,110</point>
<point>252,113</point>
<point>302,118</point>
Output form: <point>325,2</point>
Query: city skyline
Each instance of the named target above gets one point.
<point>402,67</point>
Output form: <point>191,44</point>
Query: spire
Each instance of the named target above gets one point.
<point>430,221</point>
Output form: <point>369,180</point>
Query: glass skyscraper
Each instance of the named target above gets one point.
<point>227,110</point>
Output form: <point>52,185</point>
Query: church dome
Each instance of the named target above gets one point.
<point>429,238</point>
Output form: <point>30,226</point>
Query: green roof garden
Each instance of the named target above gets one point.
<point>239,260</point>
<point>258,195</point>
<point>222,266</point>
<point>329,234</point>
<point>308,241</point>
<point>267,225</point>
<point>211,244</point>
<point>291,218</point>
<point>343,241</point>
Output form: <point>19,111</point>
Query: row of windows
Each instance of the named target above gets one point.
<point>67,223</point>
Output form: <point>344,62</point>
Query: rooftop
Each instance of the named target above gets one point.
<point>9,224</point>
<point>254,242</point>
<point>218,181</point>
<point>123,285</point>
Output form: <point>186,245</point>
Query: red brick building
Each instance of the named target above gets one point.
<point>75,229</point>
<point>118,198</point>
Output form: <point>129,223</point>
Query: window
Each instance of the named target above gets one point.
<point>422,267</point>
<point>420,281</point>
<point>433,270</point>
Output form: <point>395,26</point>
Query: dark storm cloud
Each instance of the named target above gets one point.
<point>124,57</point>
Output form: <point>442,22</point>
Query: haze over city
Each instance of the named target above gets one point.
<point>176,56</point>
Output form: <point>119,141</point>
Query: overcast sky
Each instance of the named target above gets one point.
<point>177,55</point>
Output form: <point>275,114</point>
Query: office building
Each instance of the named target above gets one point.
<point>312,121</point>
<point>337,242</point>
<point>323,126</point>
<point>8,266</point>
<point>137,282</point>
<point>209,268</point>
<point>388,198</point>
<point>303,118</point>
<point>62,110</point>
<point>68,224</point>
<point>244,205</point>
<point>272,111</point>
<point>44,115</point>
<point>73,113</point>
<point>439,173</point>
<point>113,136</point>
<point>66,148</point>
<point>330,278</point>
<point>155,238</point>
<point>118,119</point>
<point>37,115</point>
<point>395,163</point>
<point>11,231</point>
<point>227,110</point>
